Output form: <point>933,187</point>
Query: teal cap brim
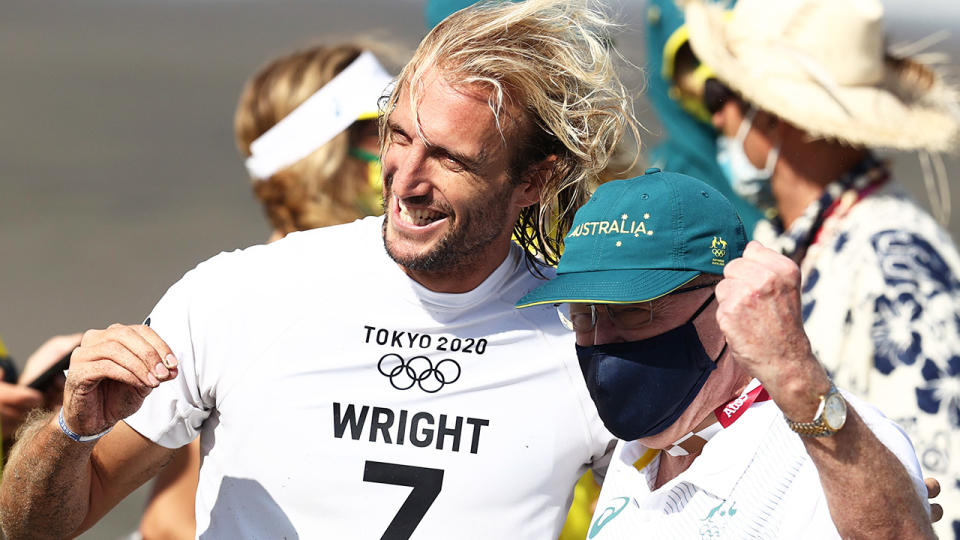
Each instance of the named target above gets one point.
<point>607,287</point>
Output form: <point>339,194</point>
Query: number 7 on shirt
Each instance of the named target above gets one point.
<point>426,484</point>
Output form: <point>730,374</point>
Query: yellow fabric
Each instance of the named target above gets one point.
<point>3,349</point>
<point>375,179</point>
<point>676,40</point>
<point>371,201</point>
<point>585,495</point>
<point>692,104</point>
<point>554,223</point>
<point>645,459</point>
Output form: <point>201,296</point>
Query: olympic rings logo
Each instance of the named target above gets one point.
<point>420,371</point>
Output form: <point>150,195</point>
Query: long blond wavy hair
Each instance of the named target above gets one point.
<point>327,187</point>
<point>551,59</point>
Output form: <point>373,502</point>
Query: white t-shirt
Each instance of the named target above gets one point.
<point>753,479</point>
<point>337,398</point>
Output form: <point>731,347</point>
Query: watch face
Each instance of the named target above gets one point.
<point>835,411</point>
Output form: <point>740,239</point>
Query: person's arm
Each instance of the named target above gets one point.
<point>54,486</point>
<point>171,511</point>
<point>15,402</point>
<point>868,490</point>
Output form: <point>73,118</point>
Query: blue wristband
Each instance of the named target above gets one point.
<point>75,436</point>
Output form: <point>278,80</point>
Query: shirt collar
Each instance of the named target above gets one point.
<point>725,457</point>
<point>728,454</point>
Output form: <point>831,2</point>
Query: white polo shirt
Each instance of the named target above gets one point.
<point>753,479</point>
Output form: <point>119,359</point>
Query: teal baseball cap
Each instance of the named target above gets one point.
<point>636,240</point>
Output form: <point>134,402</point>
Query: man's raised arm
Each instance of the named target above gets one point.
<point>868,489</point>
<point>62,476</point>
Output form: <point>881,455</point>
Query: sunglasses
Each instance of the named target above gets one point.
<point>716,95</point>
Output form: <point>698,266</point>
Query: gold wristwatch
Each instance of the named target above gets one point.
<point>830,417</point>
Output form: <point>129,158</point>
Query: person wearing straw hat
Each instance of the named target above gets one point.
<point>373,379</point>
<point>804,93</point>
<point>692,347</point>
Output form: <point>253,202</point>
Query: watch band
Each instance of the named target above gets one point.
<point>818,427</point>
<point>810,429</point>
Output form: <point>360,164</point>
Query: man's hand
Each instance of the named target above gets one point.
<point>759,314</point>
<point>54,487</point>
<point>111,373</point>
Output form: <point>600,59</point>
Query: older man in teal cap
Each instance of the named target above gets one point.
<point>692,346</point>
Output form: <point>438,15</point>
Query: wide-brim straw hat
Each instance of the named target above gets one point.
<point>822,66</point>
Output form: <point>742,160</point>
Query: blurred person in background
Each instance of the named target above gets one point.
<point>16,401</point>
<point>38,386</point>
<point>382,355</point>
<point>19,393</point>
<point>337,180</point>
<point>804,90</point>
<point>688,141</point>
<point>311,139</point>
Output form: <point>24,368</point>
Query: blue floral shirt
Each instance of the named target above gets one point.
<point>881,299</point>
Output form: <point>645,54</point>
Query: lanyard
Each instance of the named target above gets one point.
<point>723,417</point>
<point>837,198</point>
<point>731,412</point>
<point>845,202</point>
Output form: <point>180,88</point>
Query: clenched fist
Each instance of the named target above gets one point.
<point>759,313</point>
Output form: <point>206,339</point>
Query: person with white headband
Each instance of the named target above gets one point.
<point>804,93</point>
<point>307,125</point>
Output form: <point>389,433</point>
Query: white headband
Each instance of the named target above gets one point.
<point>330,110</point>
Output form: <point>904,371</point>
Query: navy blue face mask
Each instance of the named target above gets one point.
<point>642,387</point>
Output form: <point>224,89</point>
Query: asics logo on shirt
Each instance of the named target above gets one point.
<point>420,371</point>
<point>612,510</point>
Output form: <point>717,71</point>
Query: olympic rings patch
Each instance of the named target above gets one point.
<point>420,371</point>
